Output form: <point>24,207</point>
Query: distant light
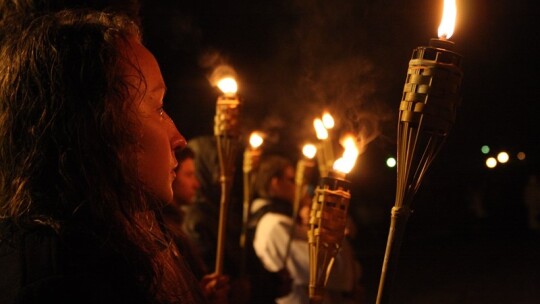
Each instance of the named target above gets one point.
<point>485,149</point>
<point>491,162</point>
<point>255,139</point>
<point>521,156</point>
<point>320,130</point>
<point>228,85</point>
<point>391,162</point>
<point>328,120</point>
<point>309,150</point>
<point>503,157</point>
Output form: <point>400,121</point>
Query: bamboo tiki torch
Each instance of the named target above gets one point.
<point>427,112</point>
<point>252,156</point>
<point>226,131</point>
<point>327,223</point>
<point>304,169</point>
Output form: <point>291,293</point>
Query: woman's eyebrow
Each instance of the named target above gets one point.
<point>159,87</point>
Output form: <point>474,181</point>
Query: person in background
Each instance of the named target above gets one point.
<point>185,186</point>
<point>87,160</point>
<point>271,223</point>
<point>202,217</point>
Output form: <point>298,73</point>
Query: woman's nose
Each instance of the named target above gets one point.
<point>178,141</point>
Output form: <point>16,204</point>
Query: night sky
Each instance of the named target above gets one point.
<point>295,58</point>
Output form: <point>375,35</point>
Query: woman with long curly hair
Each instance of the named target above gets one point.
<point>86,163</point>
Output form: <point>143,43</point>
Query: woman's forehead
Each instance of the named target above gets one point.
<point>142,59</point>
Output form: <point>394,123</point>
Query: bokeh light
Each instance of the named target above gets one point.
<point>503,157</point>
<point>391,162</point>
<point>485,149</point>
<point>255,139</point>
<point>309,150</point>
<point>491,162</point>
<point>521,155</point>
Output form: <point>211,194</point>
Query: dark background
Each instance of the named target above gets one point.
<point>467,236</point>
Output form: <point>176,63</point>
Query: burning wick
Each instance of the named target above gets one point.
<point>343,165</point>
<point>446,28</point>
<point>228,86</point>
<point>320,130</point>
<point>309,151</point>
<point>325,157</point>
<point>255,140</point>
<point>328,121</point>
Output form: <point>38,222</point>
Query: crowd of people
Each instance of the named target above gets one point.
<point>101,198</point>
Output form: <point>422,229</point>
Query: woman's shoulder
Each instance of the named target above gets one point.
<point>27,255</point>
<point>41,263</point>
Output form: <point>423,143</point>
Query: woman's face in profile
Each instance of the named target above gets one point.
<point>157,135</point>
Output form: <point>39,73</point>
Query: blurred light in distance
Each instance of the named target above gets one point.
<point>503,157</point>
<point>328,120</point>
<point>485,149</point>
<point>521,156</point>
<point>491,162</point>
<point>309,150</point>
<point>391,162</point>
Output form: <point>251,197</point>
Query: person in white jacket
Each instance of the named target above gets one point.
<point>274,190</point>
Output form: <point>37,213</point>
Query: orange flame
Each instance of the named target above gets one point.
<point>309,150</point>
<point>328,120</point>
<point>255,140</point>
<point>345,163</point>
<point>446,28</point>
<point>228,85</point>
<point>321,131</point>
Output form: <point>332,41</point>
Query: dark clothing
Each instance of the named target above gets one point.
<point>201,226</point>
<point>202,218</point>
<point>266,285</point>
<point>174,218</point>
<point>38,266</point>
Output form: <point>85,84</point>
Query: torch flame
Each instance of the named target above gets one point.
<point>228,85</point>
<point>328,120</point>
<point>350,154</point>
<point>255,140</point>
<point>321,131</point>
<point>309,151</point>
<point>446,28</point>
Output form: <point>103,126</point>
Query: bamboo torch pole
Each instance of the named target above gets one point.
<point>226,131</point>
<point>252,156</point>
<point>427,112</point>
<point>327,223</point>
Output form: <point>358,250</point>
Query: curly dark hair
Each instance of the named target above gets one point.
<point>67,150</point>
<point>16,8</point>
